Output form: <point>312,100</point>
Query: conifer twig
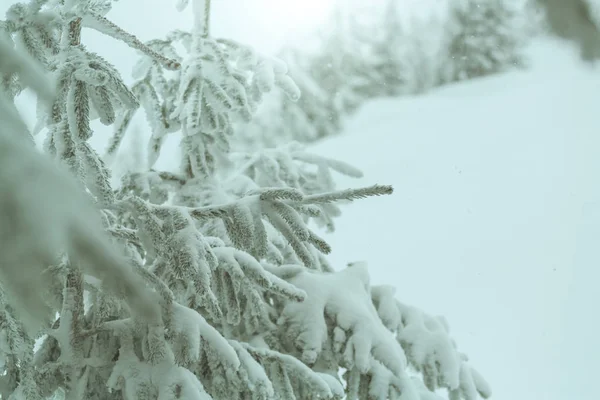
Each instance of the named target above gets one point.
<point>170,176</point>
<point>75,32</point>
<point>206,18</point>
<point>103,25</point>
<point>349,194</point>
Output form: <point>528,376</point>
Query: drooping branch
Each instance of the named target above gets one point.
<point>103,25</point>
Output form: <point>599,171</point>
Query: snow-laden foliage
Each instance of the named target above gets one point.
<point>280,120</point>
<point>196,284</point>
<point>485,37</point>
<point>429,348</point>
<point>333,81</point>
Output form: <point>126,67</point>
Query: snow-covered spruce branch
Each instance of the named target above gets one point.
<point>429,347</point>
<point>349,194</point>
<point>284,158</point>
<point>84,239</point>
<point>287,196</point>
<point>103,25</point>
<point>290,197</point>
<point>284,371</point>
<point>204,106</point>
<point>243,219</point>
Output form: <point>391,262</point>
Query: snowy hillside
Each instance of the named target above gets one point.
<point>492,220</point>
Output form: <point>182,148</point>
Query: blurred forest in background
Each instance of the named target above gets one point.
<point>367,51</point>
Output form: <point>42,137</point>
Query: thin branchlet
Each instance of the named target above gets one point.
<point>349,194</point>
<point>107,27</point>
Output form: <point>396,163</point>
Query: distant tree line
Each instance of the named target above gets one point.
<point>376,53</point>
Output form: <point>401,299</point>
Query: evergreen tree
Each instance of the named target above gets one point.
<point>201,283</point>
<point>427,51</point>
<point>486,37</point>
<point>577,20</point>
<point>364,53</point>
<point>387,52</point>
<point>338,67</point>
<point>355,61</point>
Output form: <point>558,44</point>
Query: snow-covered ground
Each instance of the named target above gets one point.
<point>495,219</point>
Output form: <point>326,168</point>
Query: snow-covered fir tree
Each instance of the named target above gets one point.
<point>485,37</point>
<point>427,41</point>
<point>338,65</point>
<point>386,50</point>
<point>196,284</point>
